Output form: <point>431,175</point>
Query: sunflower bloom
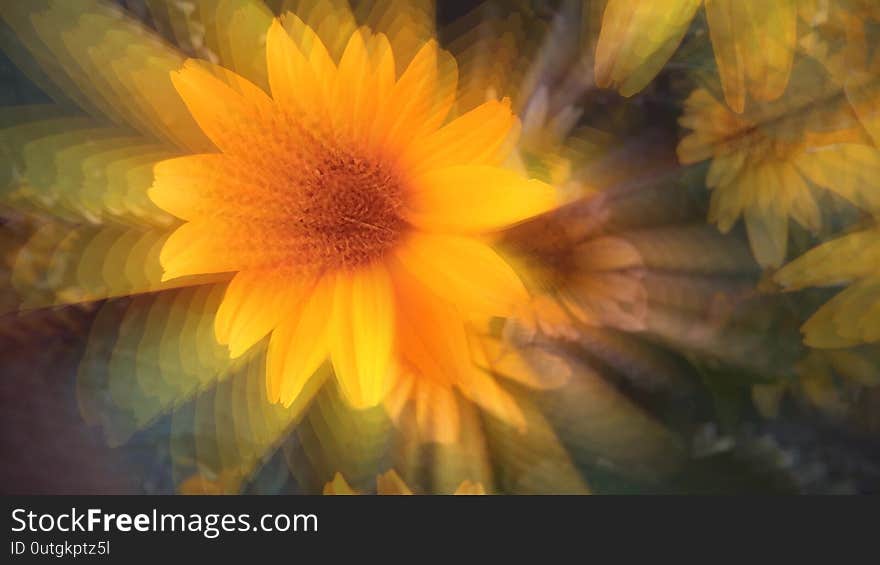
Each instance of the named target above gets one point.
<point>354,217</point>
<point>754,44</point>
<point>765,169</point>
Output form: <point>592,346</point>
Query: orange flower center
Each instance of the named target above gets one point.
<point>317,201</point>
<point>349,210</point>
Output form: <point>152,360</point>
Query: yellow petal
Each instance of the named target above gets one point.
<point>424,404</point>
<point>482,389</point>
<point>768,235</point>
<point>408,24</point>
<point>360,106</point>
<point>479,137</point>
<point>804,209</point>
<point>363,335</point>
<point>727,203</point>
<point>850,318</point>
<point>255,302</point>
<point>383,70</point>
<point>315,50</point>
<point>724,168</point>
<point>769,52</point>
<point>338,486</point>
<point>432,341</point>
<point>228,108</point>
<point>220,245</point>
<point>291,75</point>
<point>637,38</point>
<point>332,21</point>
<point>420,100</point>
<point>754,46</point>
<point>354,101</point>
<point>300,344</point>
<point>437,416</point>
<point>856,366</point>
<point>474,199</point>
<point>391,483</point>
<point>208,186</point>
<point>820,330</point>
<point>196,249</point>
<point>465,272</point>
<point>850,170</point>
<point>434,345</point>
<point>835,262</point>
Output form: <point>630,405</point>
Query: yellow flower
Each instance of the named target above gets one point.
<point>355,221</point>
<point>754,43</point>
<point>763,167</point>
<point>841,43</point>
<point>392,484</point>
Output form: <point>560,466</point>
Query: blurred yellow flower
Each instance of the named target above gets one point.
<point>850,318</point>
<point>392,484</point>
<point>578,277</point>
<point>763,167</point>
<point>754,43</point>
<point>355,220</point>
